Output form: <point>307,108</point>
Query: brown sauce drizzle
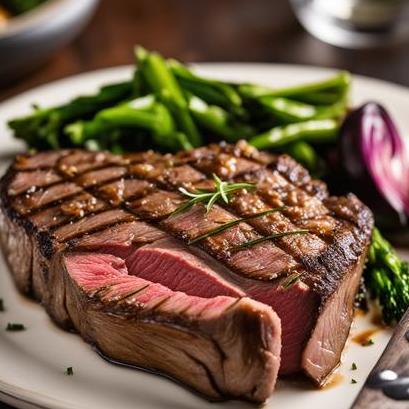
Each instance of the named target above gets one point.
<point>359,312</point>
<point>365,337</point>
<point>335,380</point>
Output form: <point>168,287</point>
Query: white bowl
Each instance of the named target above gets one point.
<point>28,39</point>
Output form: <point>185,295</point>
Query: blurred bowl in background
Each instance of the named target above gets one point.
<point>28,39</point>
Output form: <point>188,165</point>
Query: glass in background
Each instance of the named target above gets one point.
<point>355,23</point>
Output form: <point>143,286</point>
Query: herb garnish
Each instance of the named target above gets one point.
<point>353,366</point>
<point>69,371</point>
<point>353,381</point>
<point>368,343</point>
<point>270,237</point>
<point>1,305</point>
<point>210,197</point>
<point>13,326</point>
<point>290,280</point>
<point>232,223</point>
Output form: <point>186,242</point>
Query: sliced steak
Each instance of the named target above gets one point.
<point>172,264</point>
<point>203,342</point>
<point>97,206</point>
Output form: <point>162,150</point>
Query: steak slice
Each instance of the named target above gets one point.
<point>75,204</point>
<point>203,342</point>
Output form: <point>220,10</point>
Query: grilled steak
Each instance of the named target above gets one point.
<point>94,238</point>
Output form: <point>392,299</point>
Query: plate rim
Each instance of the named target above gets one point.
<point>111,70</point>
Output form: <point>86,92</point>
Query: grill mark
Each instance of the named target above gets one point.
<point>133,293</point>
<point>233,304</point>
<point>69,217</point>
<point>55,227</point>
<point>161,302</point>
<point>64,176</point>
<point>93,191</point>
<point>96,229</point>
<point>31,212</point>
<point>99,184</point>
<point>16,166</point>
<point>304,188</point>
<point>72,179</point>
<point>183,310</point>
<point>99,293</point>
<point>72,241</point>
<point>90,190</point>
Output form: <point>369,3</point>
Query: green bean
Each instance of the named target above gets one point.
<point>289,111</point>
<point>141,113</point>
<point>217,120</point>
<point>43,128</point>
<point>321,97</point>
<point>163,83</point>
<point>337,83</point>
<point>304,153</point>
<point>314,131</point>
<point>211,91</point>
<point>182,140</point>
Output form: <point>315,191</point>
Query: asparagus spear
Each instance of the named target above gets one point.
<point>387,278</point>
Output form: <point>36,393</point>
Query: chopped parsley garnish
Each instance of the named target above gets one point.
<point>353,366</point>
<point>14,326</point>
<point>368,343</point>
<point>353,381</point>
<point>69,371</point>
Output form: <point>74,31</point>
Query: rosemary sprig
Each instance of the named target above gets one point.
<point>266,238</point>
<point>222,191</point>
<point>235,222</point>
<point>290,280</point>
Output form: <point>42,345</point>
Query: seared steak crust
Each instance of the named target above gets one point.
<point>54,203</point>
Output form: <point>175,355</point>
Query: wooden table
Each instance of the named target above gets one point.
<point>207,30</point>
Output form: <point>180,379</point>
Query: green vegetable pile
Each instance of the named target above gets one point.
<point>167,107</point>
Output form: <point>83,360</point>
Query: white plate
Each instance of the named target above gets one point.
<point>32,362</point>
